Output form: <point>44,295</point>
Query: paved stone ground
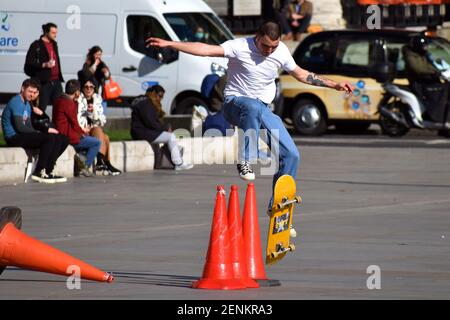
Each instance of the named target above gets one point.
<point>363,206</point>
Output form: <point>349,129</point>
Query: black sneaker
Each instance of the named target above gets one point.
<point>57,178</point>
<point>245,171</point>
<point>42,177</point>
<point>112,170</point>
<point>101,169</point>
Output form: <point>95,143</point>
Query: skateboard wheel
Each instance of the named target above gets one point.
<point>298,199</point>
<point>274,254</point>
<point>292,232</point>
<point>291,247</point>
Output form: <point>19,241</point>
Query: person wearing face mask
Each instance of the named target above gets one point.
<point>65,112</point>
<point>94,67</point>
<point>42,63</point>
<point>200,35</point>
<point>253,65</point>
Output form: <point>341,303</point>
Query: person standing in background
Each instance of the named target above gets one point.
<point>42,63</point>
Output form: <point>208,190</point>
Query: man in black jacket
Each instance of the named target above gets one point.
<point>145,125</point>
<point>43,64</point>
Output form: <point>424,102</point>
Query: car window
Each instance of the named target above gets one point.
<point>198,26</point>
<point>140,28</point>
<point>318,56</point>
<point>440,49</point>
<point>395,56</point>
<point>352,57</point>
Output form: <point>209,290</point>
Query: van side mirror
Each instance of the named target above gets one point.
<point>167,55</point>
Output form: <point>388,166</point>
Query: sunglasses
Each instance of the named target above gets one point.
<point>88,87</point>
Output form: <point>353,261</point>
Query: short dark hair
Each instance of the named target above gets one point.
<point>72,86</point>
<point>156,88</point>
<point>271,29</point>
<point>31,83</point>
<point>46,27</point>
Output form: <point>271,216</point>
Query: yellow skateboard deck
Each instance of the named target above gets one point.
<point>278,239</point>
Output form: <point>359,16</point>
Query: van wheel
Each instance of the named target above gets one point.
<point>352,127</point>
<point>186,106</point>
<point>308,118</point>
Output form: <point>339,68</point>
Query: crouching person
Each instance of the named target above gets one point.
<point>19,132</point>
<point>65,111</point>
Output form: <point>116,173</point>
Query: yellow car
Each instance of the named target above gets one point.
<point>344,55</point>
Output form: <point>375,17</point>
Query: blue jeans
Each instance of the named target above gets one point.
<point>91,145</point>
<point>248,113</point>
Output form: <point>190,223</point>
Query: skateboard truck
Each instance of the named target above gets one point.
<point>287,202</point>
<point>281,249</point>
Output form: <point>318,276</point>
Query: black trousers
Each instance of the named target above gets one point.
<point>50,146</point>
<point>48,93</point>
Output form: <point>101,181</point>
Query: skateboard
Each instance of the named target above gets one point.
<point>278,239</point>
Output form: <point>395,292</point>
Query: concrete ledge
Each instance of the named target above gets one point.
<point>128,156</point>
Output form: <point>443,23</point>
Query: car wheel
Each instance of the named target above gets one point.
<point>186,106</point>
<point>308,117</point>
<point>352,127</point>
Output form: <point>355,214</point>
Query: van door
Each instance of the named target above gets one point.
<point>139,66</point>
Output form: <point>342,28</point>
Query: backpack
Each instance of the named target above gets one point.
<point>27,68</point>
<point>208,84</point>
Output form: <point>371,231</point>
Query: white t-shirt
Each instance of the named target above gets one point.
<point>252,74</point>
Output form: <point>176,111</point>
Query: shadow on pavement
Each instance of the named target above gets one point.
<point>167,280</point>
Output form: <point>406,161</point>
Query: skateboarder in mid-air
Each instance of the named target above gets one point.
<point>252,69</point>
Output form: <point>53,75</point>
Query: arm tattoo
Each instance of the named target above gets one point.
<point>315,80</point>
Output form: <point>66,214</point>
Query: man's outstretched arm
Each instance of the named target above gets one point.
<point>194,48</point>
<point>316,80</point>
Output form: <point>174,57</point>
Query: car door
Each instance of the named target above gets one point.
<point>140,67</point>
<point>352,64</point>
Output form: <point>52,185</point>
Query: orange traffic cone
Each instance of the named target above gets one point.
<point>218,270</point>
<point>20,250</point>
<point>252,240</point>
<point>237,240</point>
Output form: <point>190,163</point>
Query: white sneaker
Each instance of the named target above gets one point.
<point>184,166</point>
<point>245,171</point>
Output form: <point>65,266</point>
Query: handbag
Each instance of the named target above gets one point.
<point>41,122</point>
<point>111,89</point>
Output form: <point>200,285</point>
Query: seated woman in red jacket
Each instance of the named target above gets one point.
<point>65,111</point>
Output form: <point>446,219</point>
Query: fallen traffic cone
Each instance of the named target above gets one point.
<point>20,250</point>
<point>252,240</point>
<point>237,240</point>
<point>218,270</point>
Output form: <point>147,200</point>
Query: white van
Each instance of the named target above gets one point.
<point>119,27</point>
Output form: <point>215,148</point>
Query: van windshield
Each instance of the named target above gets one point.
<point>198,26</point>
